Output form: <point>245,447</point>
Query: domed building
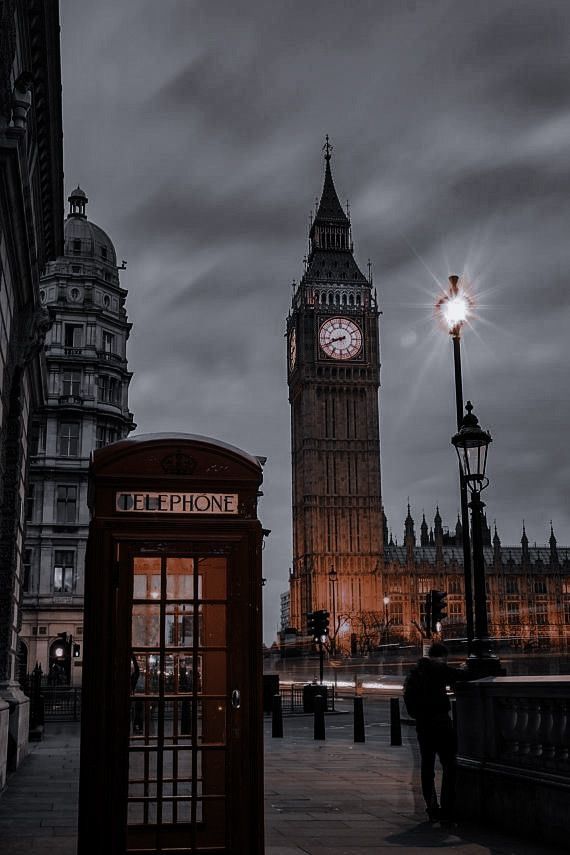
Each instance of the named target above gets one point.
<point>87,407</point>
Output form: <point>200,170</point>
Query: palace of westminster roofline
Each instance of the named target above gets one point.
<point>439,546</point>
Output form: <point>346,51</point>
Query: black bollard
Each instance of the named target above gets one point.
<point>395,723</point>
<point>319,722</point>
<point>276,717</point>
<point>359,721</point>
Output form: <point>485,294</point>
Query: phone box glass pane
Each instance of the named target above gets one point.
<point>213,772</point>
<point>213,573</point>
<point>179,626</point>
<point>146,578</point>
<point>213,721</point>
<point>214,672</point>
<point>180,579</point>
<point>214,626</point>
<point>145,626</point>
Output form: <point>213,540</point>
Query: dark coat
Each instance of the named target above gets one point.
<point>425,690</point>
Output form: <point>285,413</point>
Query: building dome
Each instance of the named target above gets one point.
<point>83,239</point>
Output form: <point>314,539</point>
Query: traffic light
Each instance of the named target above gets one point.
<point>318,624</point>
<point>321,624</point>
<point>311,623</point>
<point>438,609</point>
<point>76,651</point>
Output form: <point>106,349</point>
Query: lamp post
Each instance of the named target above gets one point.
<point>333,579</point>
<point>454,307</point>
<point>472,444</point>
<point>386,602</point>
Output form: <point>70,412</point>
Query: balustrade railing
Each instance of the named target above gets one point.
<point>533,731</point>
<point>514,754</point>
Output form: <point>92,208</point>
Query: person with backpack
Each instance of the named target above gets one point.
<point>426,700</point>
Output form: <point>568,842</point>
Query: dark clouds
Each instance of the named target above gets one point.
<point>196,130</point>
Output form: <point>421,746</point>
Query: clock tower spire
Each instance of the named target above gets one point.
<point>334,376</point>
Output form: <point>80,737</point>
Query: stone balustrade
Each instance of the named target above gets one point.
<point>513,754</point>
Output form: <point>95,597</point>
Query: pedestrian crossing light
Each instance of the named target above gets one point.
<point>76,651</point>
<point>438,609</point>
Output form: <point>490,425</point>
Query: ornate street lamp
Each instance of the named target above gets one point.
<point>472,444</point>
<point>333,579</point>
<point>453,308</point>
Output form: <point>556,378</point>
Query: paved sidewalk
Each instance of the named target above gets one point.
<point>322,798</point>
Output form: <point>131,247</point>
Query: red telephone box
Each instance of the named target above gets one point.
<point>171,730</point>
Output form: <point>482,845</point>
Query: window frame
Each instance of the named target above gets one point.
<point>67,567</point>
<point>66,502</point>
<point>74,383</point>
<point>65,441</point>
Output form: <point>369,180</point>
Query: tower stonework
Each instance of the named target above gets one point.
<point>334,377</point>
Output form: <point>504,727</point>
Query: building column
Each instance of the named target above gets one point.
<point>11,576</point>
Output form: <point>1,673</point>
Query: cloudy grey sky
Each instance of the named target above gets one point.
<point>196,130</point>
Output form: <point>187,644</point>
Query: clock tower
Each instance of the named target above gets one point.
<point>334,377</point>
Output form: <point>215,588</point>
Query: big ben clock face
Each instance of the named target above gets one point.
<point>340,338</point>
<point>292,349</point>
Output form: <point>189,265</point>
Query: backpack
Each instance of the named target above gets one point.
<point>414,689</point>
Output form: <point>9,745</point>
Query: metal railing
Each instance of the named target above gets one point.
<point>49,702</point>
<point>294,698</point>
<point>62,703</point>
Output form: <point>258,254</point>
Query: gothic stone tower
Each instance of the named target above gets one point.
<point>334,376</point>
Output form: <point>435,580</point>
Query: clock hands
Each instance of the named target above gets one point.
<point>340,338</point>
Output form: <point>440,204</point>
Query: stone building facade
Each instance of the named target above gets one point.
<point>31,233</point>
<point>528,586</point>
<point>87,407</point>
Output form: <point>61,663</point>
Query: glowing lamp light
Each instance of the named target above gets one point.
<point>59,651</point>
<point>455,311</point>
<point>454,306</point>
